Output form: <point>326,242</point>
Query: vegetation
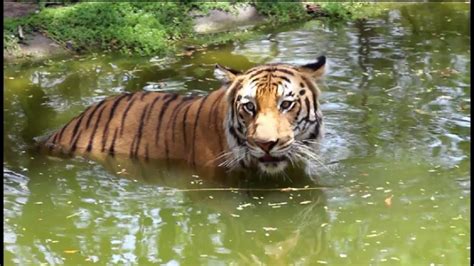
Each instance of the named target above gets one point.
<point>147,28</point>
<point>281,11</point>
<point>352,10</point>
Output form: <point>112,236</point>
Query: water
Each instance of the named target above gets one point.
<point>395,187</point>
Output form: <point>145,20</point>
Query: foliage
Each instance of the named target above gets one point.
<point>143,28</point>
<point>148,27</point>
<point>10,42</point>
<point>281,11</point>
<point>350,10</point>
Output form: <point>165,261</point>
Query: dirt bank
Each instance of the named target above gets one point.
<point>34,45</point>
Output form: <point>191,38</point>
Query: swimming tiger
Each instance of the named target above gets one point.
<point>267,117</point>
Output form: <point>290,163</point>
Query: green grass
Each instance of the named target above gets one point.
<point>281,11</point>
<point>148,28</point>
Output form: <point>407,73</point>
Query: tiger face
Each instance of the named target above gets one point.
<point>273,117</point>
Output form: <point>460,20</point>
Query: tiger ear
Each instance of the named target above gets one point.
<point>316,69</point>
<point>224,74</point>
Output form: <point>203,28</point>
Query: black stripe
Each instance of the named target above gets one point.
<point>144,94</point>
<point>51,137</point>
<point>214,112</point>
<point>258,72</point>
<point>257,69</point>
<point>62,130</point>
<point>125,115</point>
<point>308,110</point>
<point>130,153</point>
<point>105,132</point>
<point>162,112</point>
<point>240,127</point>
<point>299,110</point>
<point>51,146</point>
<point>254,79</point>
<point>93,112</point>
<point>195,126</point>
<point>175,115</point>
<point>216,125</point>
<point>175,111</point>
<point>314,90</point>
<point>76,128</point>
<point>289,72</point>
<point>315,134</point>
<point>151,106</point>
<point>112,145</point>
<point>170,95</point>
<point>284,78</point>
<point>140,129</point>
<point>89,146</point>
<point>184,124</point>
<point>172,122</point>
<point>74,143</point>
<point>213,106</point>
<point>147,154</point>
<point>233,90</point>
<point>232,132</point>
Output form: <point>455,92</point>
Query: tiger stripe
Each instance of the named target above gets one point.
<point>125,113</point>
<point>193,150</point>
<point>96,126</point>
<point>93,112</point>
<point>138,137</point>
<point>111,115</point>
<point>166,101</point>
<point>183,128</point>
<point>171,122</point>
<point>112,145</point>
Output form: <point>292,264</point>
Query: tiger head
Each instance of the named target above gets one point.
<point>273,117</point>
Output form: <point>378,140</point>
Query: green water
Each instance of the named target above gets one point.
<point>396,102</point>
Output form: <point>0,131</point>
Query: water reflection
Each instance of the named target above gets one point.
<point>397,148</point>
<point>163,226</point>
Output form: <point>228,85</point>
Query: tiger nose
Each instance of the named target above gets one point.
<point>266,145</point>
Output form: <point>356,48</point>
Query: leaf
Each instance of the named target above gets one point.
<point>269,228</point>
<point>388,201</point>
<point>71,251</point>
<point>421,112</point>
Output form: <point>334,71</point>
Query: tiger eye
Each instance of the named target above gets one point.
<point>285,105</point>
<point>250,106</point>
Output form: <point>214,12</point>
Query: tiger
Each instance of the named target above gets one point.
<point>267,118</point>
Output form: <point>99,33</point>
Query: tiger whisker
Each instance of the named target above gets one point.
<point>306,153</point>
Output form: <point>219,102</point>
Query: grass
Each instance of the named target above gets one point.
<point>145,28</point>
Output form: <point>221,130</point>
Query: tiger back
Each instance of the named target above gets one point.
<point>149,125</point>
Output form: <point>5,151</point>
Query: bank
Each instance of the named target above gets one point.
<point>153,28</point>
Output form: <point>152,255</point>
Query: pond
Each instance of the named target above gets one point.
<point>393,187</point>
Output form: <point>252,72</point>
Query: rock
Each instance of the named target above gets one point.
<point>218,20</point>
<point>16,10</point>
<point>36,46</point>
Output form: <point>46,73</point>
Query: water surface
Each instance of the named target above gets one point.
<point>396,187</point>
